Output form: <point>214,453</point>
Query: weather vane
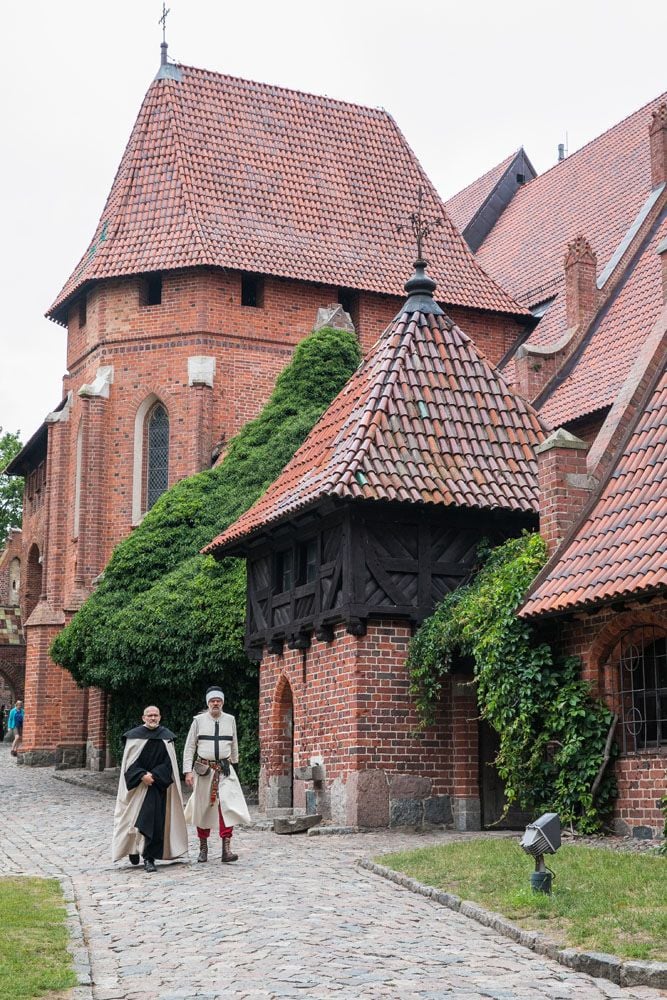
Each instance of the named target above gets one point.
<point>421,227</point>
<point>163,21</point>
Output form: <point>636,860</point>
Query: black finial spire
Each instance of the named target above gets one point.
<point>420,286</point>
<point>167,70</point>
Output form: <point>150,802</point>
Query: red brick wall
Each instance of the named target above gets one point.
<point>492,333</point>
<point>641,776</point>
<point>353,710</point>
<point>561,471</point>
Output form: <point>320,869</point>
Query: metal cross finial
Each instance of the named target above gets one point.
<point>163,21</point>
<point>421,227</point>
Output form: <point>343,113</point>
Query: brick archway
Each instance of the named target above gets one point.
<point>281,744</point>
<point>12,669</point>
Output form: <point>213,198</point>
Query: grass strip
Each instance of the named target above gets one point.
<point>602,900</point>
<point>34,959</point>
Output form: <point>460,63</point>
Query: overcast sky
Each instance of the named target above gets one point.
<point>467,82</point>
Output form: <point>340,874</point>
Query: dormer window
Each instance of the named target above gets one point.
<point>252,291</point>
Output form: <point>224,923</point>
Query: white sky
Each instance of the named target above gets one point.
<point>467,82</point>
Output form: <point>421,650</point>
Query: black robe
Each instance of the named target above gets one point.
<point>153,758</point>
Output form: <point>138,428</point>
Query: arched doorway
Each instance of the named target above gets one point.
<point>282,751</point>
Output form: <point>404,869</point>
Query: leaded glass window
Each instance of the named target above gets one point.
<point>157,454</point>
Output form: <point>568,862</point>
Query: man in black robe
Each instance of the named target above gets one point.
<point>149,800</point>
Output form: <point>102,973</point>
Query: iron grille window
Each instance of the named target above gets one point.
<point>640,661</point>
<point>157,458</point>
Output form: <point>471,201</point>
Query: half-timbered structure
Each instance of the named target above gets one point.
<point>378,515</point>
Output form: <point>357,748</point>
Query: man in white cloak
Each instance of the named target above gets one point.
<point>210,750</point>
<point>149,819</point>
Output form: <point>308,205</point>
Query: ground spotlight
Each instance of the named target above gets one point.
<point>542,837</point>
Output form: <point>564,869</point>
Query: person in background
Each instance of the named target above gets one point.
<point>15,723</point>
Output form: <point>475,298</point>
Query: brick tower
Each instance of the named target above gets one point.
<point>237,212</point>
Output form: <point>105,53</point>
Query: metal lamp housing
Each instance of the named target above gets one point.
<point>542,836</point>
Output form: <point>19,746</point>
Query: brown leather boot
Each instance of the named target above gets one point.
<point>203,849</point>
<point>227,854</point>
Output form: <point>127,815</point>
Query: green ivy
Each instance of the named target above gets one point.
<point>552,732</point>
<point>663,805</point>
<point>166,621</point>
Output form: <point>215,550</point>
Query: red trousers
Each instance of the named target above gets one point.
<point>225,831</point>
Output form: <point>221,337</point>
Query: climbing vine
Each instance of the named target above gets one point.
<point>166,621</point>
<point>552,732</point>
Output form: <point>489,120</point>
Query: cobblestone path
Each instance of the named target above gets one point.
<point>295,917</point>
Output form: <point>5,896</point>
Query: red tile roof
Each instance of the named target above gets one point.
<point>461,207</point>
<point>425,419</point>
<point>225,172</point>
<point>596,192</point>
<point>620,547</point>
<point>614,343</point>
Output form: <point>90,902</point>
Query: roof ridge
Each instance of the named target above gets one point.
<point>501,163</point>
<point>612,128</point>
<point>366,432</point>
<point>283,89</point>
<point>183,170</point>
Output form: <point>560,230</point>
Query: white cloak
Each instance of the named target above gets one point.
<point>199,811</point>
<point>126,838</point>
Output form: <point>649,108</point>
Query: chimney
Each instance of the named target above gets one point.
<point>561,152</point>
<point>581,293</point>
<point>564,484</point>
<point>658,138</point>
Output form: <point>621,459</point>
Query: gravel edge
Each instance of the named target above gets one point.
<point>596,964</point>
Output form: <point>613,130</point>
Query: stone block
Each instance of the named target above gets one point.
<point>295,824</point>
<point>311,802</point>
<point>409,786</point>
<point>438,810</point>
<point>467,813</point>
<point>367,799</point>
<point>642,833</point>
<point>406,812</point>
<point>597,964</point>
<point>637,973</point>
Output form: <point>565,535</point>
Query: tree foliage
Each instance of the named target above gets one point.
<point>11,487</point>
<point>552,732</point>
<point>166,621</point>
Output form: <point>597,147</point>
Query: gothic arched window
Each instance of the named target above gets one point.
<point>156,454</point>
<point>639,660</point>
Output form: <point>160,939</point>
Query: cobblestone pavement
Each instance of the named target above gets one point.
<point>295,917</point>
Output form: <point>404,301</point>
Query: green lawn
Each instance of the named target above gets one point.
<point>602,900</point>
<point>34,960</point>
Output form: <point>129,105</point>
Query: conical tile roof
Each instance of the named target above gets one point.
<point>425,419</point>
<point>229,173</point>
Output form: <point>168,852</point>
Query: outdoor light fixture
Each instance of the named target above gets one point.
<point>542,837</point>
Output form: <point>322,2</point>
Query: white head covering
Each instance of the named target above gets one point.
<point>214,692</point>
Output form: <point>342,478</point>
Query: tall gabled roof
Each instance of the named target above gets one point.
<point>229,173</point>
<point>463,205</point>
<point>619,549</point>
<point>425,419</point>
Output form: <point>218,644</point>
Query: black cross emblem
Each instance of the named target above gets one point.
<point>163,20</point>
<point>421,227</point>
<point>217,740</point>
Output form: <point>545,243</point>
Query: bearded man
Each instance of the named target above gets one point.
<point>149,817</point>
<point>210,750</point>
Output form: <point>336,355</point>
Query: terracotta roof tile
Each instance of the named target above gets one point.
<point>620,547</point>
<point>11,632</point>
<point>374,442</point>
<point>225,172</point>
<point>608,354</point>
<point>586,193</point>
